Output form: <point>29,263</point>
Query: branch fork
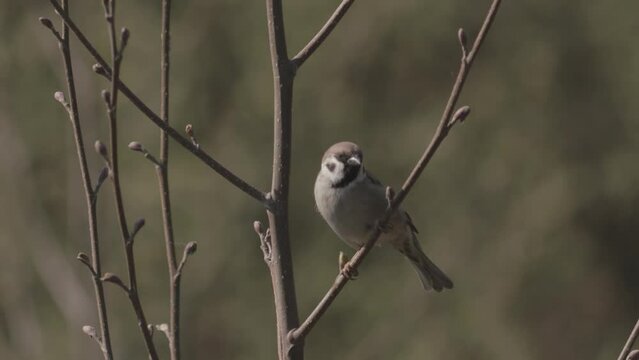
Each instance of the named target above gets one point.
<point>103,68</point>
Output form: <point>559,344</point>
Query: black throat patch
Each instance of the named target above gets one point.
<point>350,174</point>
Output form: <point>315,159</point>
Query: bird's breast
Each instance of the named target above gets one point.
<point>350,211</point>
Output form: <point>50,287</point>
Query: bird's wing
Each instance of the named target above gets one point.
<point>372,178</point>
<point>410,223</point>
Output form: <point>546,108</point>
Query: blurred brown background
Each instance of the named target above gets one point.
<point>530,206</point>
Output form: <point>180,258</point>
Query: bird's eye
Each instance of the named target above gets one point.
<point>330,166</point>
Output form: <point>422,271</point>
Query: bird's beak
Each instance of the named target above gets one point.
<point>353,161</point>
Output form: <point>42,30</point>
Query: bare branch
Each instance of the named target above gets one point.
<point>175,271</point>
<point>103,68</point>
<point>440,134</point>
<point>90,194</point>
<point>488,22</point>
<point>281,263</point>
<point>308,50</point>
<point>629,343</point>
<point>111,101</point>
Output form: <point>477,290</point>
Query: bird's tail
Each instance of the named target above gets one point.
<point>432,277</point>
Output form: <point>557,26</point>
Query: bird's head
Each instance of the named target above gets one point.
<point>342,164</point>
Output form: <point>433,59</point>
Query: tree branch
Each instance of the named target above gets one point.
<point>281,263</point>
<point>111,100</point>
<point>173,332</point>
<point>445,124</point>
<point>90,193</point>
<point>308,50</point>
<point>105,69</point>
<point>631,340</point>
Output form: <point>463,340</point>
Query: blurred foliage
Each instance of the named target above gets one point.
<point>531,206</point>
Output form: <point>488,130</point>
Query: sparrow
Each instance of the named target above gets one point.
<point>351,201</point>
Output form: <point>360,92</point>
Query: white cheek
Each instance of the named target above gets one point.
<point>338,172</point>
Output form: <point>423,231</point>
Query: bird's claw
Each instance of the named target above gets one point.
<point>385,227</point>
<point>346,269</point>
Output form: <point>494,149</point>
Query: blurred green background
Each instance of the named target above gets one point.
<point>530,206</point>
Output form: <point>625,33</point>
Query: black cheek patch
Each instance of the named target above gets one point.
<point>350,173</point>
<point>330,166</point>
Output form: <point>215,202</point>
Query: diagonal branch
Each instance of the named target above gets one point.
<point>157,120</point>
<point>631,340</point>
<point>324,32</point>
<point>445,124</point>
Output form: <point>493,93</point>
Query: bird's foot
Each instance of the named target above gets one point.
<point>345,267</point>
<point>385,228</point>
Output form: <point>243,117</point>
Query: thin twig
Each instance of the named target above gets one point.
<point>136,146</point>
<point>631,340</point>
<point>188,129</point>
<point>157,120</point>
<point>90,193</point>
<point>90,331</point>
<point>111,100</point>
<point>317,40</point>
<point>173,332</point>
<point>189,250</point>
<point>440,134</point>
<point>115,280</point>
<point>265,240</point>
